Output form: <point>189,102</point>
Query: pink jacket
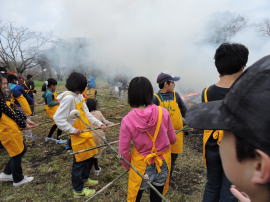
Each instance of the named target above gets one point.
<point>134,126</point>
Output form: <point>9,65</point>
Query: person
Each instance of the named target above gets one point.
<point>149,128</point>
<point>12,121</point>
<point>92,107</point>
<point>244,115</point>
<point>167,97</point>
<point>29,87</point>
<point>91,86</point>
<point>19,97</point>
<point>51,105</point>
<point>80,140</point>
<point>230,60</point>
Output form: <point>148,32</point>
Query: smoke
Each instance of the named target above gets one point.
<point>146,37</point>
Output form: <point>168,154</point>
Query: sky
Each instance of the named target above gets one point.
<point>146,37</point>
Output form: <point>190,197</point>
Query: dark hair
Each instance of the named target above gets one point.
<point>50,82</point>
<point>91,104</point>
<point>140,92</point>
<point>11,78</point>
<point>230,58</point>
<point>76,82</point>
<point>161,85</point>
<point>29,76</point>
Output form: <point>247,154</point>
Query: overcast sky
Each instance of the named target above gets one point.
<point>145,37</point>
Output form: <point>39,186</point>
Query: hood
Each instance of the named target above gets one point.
<point>145,119</point>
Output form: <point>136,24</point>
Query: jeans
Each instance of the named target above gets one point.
<point>80,173</point>
<point>217,188</point>
<point>14,167</point>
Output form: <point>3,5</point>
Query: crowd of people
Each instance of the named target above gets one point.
<point>234,117</point>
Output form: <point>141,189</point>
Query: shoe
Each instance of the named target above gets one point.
<point>97,172</point>
<point>23,181</point>
<point>6,178</point>
<point>90,183</point>
<point>60,141</point>
<point>48,139</point>
<point>84,193</point>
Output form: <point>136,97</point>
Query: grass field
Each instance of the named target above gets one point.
<point>50,164</point>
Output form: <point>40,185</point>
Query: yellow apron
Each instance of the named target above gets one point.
<point>140,163</point>
<point>23,103</point>
<point>11,136</point>
<point>217,134</point>
<point>92,93</point>
<point>177,121</point>
<point>50,110</point>
<point>84,140</point>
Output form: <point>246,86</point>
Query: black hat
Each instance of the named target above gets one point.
<point>162,77</point>
<point>244,111</point>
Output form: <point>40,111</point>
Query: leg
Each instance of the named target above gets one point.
<point>59,132</point>
<point>154,197</point>
<point>214,173</point>
<point>95,161</point>
<point>53,128</point>
<point>76,175</point>
<point>87,168</point>
<point>173,160</point>
<point>139,196</point>
<point>225,194</point>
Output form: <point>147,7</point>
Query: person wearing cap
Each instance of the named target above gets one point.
<point>168,98</point>
<point>230,60</point>
<point>244,116</point>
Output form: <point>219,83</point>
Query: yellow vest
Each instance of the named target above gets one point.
<point>23,103</point>
<point>84,140</point>
<point>92,93</point>
<point>140,163</point>
<point>10,135</point>
<point>177,121</point>
<point>217,134</point>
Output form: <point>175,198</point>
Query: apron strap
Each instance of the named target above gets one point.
<point>205,94</point>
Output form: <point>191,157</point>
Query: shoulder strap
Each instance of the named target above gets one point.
<point>174,95</point>
<point>205,94</point>
<point>156,95</point>
<point>153,138</point>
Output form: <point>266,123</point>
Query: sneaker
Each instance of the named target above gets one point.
<point>84,193</point>
<point>23,181</point>
<point>90,183</point>
<point>60,141</point>
<point>6,178</point>
<point>97,172</point>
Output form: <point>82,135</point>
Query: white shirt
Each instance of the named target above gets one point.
<point>61,116</point>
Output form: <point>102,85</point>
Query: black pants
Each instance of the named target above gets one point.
<point>217,187</point>
<point>173,159</point>
<point>14,167</point>
<point>80,173</point>
<point>153,195</point>
<point>53,128</point>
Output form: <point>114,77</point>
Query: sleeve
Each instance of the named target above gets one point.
<point>181,105</point>
<point>124,144</point>
<point>171,132</point>
<point>49,99</point>
<point>91,118</point>
<point>155,100</point>
<point>62,113</point>
<point>18,118</point>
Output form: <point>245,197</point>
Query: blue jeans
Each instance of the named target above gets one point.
<point>217,188</point>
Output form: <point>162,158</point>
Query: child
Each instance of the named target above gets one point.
<point>92,107</point>
<point>71,100</point>
<point>149,128</point>
<point>51,105</point>
<point>11,138</point>
<point>167,97</point>
<point>244,115</point>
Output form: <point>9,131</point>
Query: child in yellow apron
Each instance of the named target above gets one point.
<point>51,105</point>
<point>71,100</point>
<point>11,138</point>
<point>150,130</point>
<point>168,98</point>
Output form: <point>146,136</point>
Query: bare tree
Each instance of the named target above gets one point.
<point>19,46</point>
<point>264,27</point>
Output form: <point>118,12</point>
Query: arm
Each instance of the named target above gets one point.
<point>124,143</point>
<point>91,118</point>
<point>181,105</point>
<point>49,99</point>
<point>61,115</point>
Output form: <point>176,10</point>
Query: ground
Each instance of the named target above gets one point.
<point>50,164</point>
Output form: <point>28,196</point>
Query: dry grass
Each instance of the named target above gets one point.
<point>51,165</point>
